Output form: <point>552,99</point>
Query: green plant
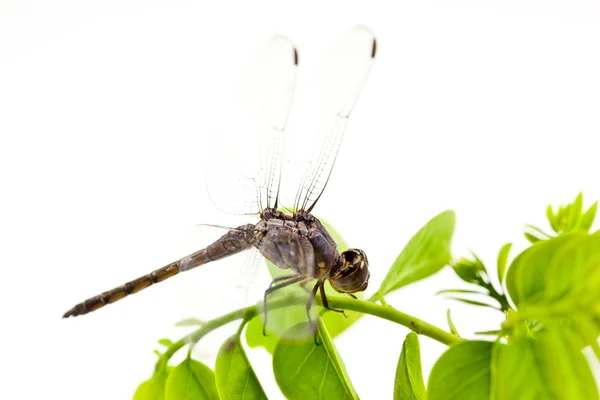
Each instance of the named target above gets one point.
<point>551,305</point>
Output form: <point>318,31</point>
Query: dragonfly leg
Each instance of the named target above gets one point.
<point>311,300</point>
<point>290,281</point>
<point>353,296</point>
<point>282,278</point>
<point>326,302</point>
<point>303,286</point>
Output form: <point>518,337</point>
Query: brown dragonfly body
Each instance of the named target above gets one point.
<point>297,242</point>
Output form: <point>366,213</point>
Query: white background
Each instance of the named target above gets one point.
<point>105,110</point>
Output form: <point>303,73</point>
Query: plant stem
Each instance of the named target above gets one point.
<point>391,314</point>
<point>244,314</point>
<point>346,303</point>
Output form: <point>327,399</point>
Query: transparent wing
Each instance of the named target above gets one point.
<point>244,162</point>
<point>323,107</point>
<point>223,285</point>
<point>248,285</point>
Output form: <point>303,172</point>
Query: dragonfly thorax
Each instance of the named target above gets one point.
<point>299,242</point>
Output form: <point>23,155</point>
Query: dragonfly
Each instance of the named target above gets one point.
<point>256,164</point>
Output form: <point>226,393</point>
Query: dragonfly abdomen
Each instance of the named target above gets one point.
<point>232,242</point>
<point>134,286</point>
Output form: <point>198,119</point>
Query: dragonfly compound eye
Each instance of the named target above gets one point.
<point>354,277</point>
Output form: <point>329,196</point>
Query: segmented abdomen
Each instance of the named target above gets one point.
<point>232,242</point>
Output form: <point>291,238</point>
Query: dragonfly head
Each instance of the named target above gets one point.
<point>354,275</point>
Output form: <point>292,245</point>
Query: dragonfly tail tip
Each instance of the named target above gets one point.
<point>68,314</point>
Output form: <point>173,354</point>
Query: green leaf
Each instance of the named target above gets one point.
<point>335,322</point>
<point>190,322</point>
<point>570,280</point>
<point>490,333</point>
<point>503,261</point>
<point>540,233</point>
<point>515,374</point>
<point>531,238</point>
<point>153,388</point>
<point>549,366</point>
<point>554,283</point>
<point>278,321</point>
<point>469,270</point>
<point>571,217</point>
<point>575,213</point>
<point>562,218</point>
<point>587,219</point>
<point>462,372</point>
<point>234,374</point>
<point>552,218</point>
<point>572,274</point>
<point>191,380</point>
<point>467,291</point>
<point>426,253</point>
<point>255,337</point>
<point>409,377</point>
<point>527,276</point>
<point>473,302</point>
<point>304,370</point>
<point>558,278</point>
<point>166,342</point>
<point>451,324</point>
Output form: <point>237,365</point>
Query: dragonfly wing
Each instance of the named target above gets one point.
<point>324,106</point>
<point>225,284</point>
<point>244,161</point>
<point>243,274</point>
<point>250,282</point>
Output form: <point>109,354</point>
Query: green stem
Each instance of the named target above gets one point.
<point>378,296</point>
<point>346,303</point>
<point>391,314</point>
<point>500,298</point>
<point>245,314</point>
